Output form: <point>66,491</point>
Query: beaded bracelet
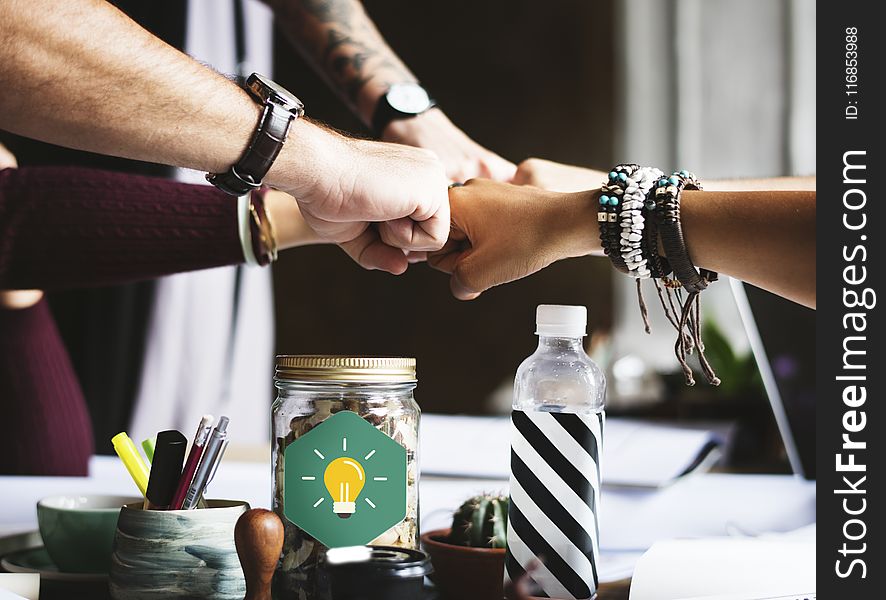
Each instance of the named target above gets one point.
<point>633,221</point>
<point>607,216</point>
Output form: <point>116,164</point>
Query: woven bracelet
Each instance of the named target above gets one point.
<point>667,217</point>
<point>664,210</point>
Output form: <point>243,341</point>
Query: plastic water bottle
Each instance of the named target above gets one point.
<point>557,432</point>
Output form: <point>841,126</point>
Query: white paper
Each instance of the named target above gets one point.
<point>635,453</point>
<point>705,505</point>
<point>742,567</point>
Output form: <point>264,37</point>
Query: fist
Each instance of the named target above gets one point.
<point>557,177</point>
<point>381,202</point>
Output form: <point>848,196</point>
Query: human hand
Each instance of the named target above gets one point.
<point>7,160</point>
<point>502,232</point>
<point>381,202</point>
<point>463,157</point>
<point>557,177</point>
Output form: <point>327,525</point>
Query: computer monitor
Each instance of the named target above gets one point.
<point>782,338</point>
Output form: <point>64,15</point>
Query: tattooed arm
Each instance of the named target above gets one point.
<point>343,44</point>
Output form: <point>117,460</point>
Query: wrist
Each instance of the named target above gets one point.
<point>307,155</point>
<point>573,221</point>
<point>290,226</point>
<point>367,100</point>
<point>411,130</point>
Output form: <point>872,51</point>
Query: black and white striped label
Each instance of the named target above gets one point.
<point>555,495</point>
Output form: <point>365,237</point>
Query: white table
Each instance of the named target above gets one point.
<point>631,519</point>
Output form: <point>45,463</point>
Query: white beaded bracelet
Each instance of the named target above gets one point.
<point>632,221</point>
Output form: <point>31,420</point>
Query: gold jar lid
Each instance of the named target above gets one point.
<point>345,369</point>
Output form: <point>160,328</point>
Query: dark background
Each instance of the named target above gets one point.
<point>522,82</point>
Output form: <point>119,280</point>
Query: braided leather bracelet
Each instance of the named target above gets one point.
<point>667,216</point>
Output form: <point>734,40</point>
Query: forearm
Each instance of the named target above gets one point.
<point>67,227</point>
<point>766,238</point>
<point>339,39</point>
<point>767,184</point>
<point>82,74</point>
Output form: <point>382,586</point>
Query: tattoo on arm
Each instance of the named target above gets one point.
<point>341,41</point>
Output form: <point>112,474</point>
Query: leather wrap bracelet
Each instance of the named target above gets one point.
<point>666,214</point>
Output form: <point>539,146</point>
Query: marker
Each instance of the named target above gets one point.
<point>132,460</point>
<point>166,469</point>
<point>187,475</point>
<point>207,462</point>
<point>148,447</point>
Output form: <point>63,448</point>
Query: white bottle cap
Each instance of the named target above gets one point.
<point>561,321</point>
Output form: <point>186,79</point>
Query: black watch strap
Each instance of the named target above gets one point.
<point>267,141</point>
<point>385,113</point>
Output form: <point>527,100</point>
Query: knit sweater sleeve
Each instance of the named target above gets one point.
<point>67,227</point>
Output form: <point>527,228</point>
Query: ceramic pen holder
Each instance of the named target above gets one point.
<point>177,553</point>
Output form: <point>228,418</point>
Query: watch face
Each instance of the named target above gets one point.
<point>408,98</point>
<point>266,89</point>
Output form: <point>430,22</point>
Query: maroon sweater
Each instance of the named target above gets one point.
<point>66,227</point>
<point>73,227</point>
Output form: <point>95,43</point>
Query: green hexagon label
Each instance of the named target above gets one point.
<point>345,481</point>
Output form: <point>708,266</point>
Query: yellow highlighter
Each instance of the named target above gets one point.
<point>132,460</point>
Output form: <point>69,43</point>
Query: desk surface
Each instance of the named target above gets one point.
<point>632,519</point>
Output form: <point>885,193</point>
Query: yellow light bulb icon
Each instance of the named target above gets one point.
<point>344,479</point>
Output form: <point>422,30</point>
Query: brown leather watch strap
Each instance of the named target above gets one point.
<point>267,141</point>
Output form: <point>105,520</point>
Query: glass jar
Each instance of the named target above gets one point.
<point>313,391</point>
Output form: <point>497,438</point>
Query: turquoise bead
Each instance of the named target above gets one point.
<point>684,173</point>
<point>604,200</point>
<point>622,177</point>
<point>673,180</point>
<point>613,201</point>
<point>650,205</point>
<point>613,175</point>
<point>662,182</point>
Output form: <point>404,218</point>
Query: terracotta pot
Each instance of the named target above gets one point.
<point>463,572</point>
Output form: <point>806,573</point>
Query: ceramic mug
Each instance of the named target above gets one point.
<point>177,553</point>
<point>78,530</point>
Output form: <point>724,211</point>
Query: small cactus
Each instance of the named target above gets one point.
<point>481,522</point>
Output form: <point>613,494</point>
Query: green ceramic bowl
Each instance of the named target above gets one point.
<point>78,531</point>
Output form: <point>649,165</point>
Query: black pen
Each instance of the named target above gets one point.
<point>166,469</point>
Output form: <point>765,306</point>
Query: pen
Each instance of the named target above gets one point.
<point>187,475</point>
<point>148,447</point>
<point>132,460</point>
<point>210,455</point>
<point>166,469</point>
<point>221,454</point>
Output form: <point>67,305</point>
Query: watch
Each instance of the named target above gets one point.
<point>401,101</point>
<point>281,109</point>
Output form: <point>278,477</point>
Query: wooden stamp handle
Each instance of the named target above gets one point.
<point>258,536</point>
